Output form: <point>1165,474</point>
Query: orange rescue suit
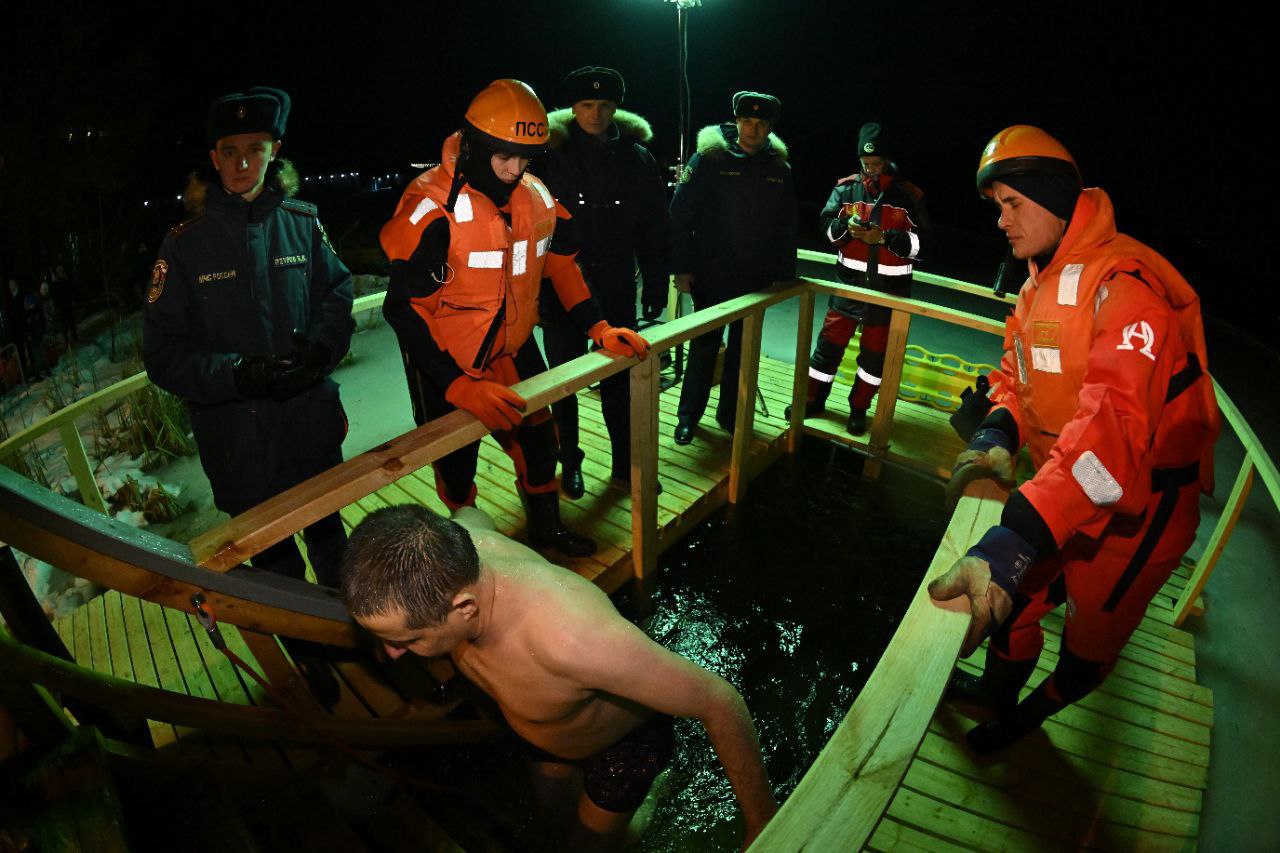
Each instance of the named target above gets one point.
<point>1098,356</point>
<point>487,305</point>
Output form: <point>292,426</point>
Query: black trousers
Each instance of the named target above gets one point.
<point>695,390</point>
<point>564,341</point>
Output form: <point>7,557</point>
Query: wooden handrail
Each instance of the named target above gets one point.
<point>923,277</point>
<point>73,411</point>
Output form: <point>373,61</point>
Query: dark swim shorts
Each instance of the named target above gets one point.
<point>618,777</point>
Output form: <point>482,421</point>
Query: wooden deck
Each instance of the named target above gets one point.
<point>1124,769</point>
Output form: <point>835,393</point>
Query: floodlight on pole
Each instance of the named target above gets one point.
<point>682,95</point>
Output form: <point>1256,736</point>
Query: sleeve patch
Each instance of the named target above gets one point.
<point>158,275</point>
<point>1139,336</point>
<point>1093,477</point>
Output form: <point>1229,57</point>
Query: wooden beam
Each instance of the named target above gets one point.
<point>68,414</point>
<point>841,799</point>
<point>78,462</point>
<point>800,380</point>
<point>27,666</point>
<point>911,306</point>
<point>1217,542</point>
<point>744,417</point>
<point>940,281</point>
<point>1252,445</point>
<point>887,397</point>
<point>644,475</point>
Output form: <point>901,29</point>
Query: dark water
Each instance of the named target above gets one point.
<point>792,596</point>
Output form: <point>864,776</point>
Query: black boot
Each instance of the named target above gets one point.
<point>998,686</point>
<point>1012,726</point>
<point>857,423</point>
<point>571,475</point>
<point>816,401</point>
<point>546,530</point>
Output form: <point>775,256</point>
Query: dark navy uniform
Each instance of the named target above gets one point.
<point>614,190</point>
<point>237,280</point>
<point>733,225</point>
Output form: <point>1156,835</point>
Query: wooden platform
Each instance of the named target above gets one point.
<point>1124,769</point>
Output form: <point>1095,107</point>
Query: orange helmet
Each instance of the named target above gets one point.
<point>507,116</point>
<point>1022,148</point>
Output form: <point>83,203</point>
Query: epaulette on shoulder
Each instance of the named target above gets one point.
<point>300,206</point>
<point>184,225</point>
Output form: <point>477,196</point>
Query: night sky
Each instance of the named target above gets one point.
<point>1164,112</point>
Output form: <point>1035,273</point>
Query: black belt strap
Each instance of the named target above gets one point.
<point>1182,380</point>
<point>1167,481</point>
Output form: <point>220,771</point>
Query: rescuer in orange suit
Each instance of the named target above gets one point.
<point>469,245</point>
<point>1104,380</point>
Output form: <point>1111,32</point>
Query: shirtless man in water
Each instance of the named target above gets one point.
<point>585,688</point>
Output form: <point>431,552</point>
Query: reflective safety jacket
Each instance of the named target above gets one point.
<point>1105,373</point>
<point>901,215</point>
<point>485,304</point>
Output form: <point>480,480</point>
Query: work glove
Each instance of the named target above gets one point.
<point>256,375</point>
<point>307,364</point>
<point>988,456</point>
<point>618,339</point>
<point>989,573</point>
<point>494,404</point>
<point>867,232</point>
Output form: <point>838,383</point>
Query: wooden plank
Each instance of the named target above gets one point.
<point>1077,795</point>
<point>67,414</point>
<point>970,830</point>
<point>1217,542</point>
<point>891,836</point>
<point>279,672</point>
<point>1037,754</point>
<point>143,664</point>
<point>96,612</point>
<point>168,671</point>
<point>644,478</point>
<point>78,464</point>
<point>1053,822</point>
<point>1254,447</point>
<point>913,307</point>
<point>1142,638</point>
<point>887,397</point>
<point>800,372</point>
<point>744,416</point>
<point>195,678</point>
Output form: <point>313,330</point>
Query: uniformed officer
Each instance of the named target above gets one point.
<point>248,312</point>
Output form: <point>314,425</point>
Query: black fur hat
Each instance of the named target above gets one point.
<point>756,105</point>
<point>593,83</point>
<point>260,110</point>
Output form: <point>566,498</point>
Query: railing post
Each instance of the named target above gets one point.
<point>887,398</point>
<point>1217,541</point>
<point>800,381</point>
<point>644,476</point>
<point>744,418</point>
<point>78,462</point>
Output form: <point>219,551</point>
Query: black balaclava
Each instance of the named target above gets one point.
<point>1054,191</point>
<point>477,168</point>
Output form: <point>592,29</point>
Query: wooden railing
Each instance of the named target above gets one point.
<point>845,792</point>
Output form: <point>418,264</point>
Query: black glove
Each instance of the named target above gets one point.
<point>654,311</point>
<point>256,375</point>
<point>305,366</point>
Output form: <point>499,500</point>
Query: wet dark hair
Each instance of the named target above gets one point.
<point>407,558</point>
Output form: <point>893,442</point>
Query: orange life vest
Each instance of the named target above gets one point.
<point>487,305</point>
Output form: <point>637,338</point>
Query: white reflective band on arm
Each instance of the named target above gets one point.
<point>1069,283</point>
<point>1046,359</point>
<point>868,378</point>
<point>519,256</point>
<point>542,191</point>
<point>915,245</point>
<point>820,376</point>
<point>424,207</point>
<point>1098,484</point>
<point>542,246</point>
<point>861,266</point>
<point>462,208</point>
<point>485,260</point>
